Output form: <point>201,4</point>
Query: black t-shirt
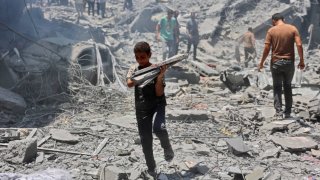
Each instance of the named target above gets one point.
<point>146,98</point>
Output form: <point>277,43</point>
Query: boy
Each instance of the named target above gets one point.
<point>150,104</point>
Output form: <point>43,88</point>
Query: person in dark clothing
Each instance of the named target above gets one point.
<point>150,105</point>
<point>176,33</point>
<point>127,5</point>
<point>101,7</point>
<point>193,34</point>
<point>281,38</point>
<point>91,6</point>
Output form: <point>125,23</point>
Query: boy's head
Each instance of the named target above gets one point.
<point>276,17</point>
<point>142,52</point>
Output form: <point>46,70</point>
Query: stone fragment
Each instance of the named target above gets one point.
<point>172,89</point>
<point>127,121</point>
<point>123,152</point>
<point>256,174</point>
<point>40,157</point>
<point>185,115</point>
<point>203,150</point>
<point>270,153</point>
<point>21,151</point>
<point>98,128</point>
<point>277,125</point>
<point>302,131</point>
<point>294,144</point>
<point>113,173</point>
<point>315,153</point>
<point>9,135</point>
<point>203,69</point>
<point>63,135</point>
<point>11,101</point>
<point>237,146</point>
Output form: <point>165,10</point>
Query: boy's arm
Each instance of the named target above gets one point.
<point>159,83</point>
<point>130,83</point>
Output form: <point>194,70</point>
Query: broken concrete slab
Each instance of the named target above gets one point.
<point>277,125</point>
<point>256,174</point>
<point>112,173</point>
<point>11,101</point>
<point>21,151</point>
<point>294,144</point>
<point>172,89</point>
<point>237,146</point>
<point>127,121</point>
<point>63,135</point>
<point>9,135</point>
<point>270,153</point>
<point>184,115</point>
<point>203,69</point>
<point>315,153</point>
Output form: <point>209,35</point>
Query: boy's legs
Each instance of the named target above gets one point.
<point>144,120</point>
<point>159,128</point>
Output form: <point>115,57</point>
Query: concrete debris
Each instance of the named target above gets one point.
<point>234,82</point>
<point>237,146</point>
<point>21,151</point>
<point>188,115</point>
<point>315,153</point>
<point>49,174</point>
<point>257,174</point>
<point>271,153</point>
<point>11,101</point>
<point>9,135</point>
<point>112,173</point>
<point>63,135</point>
<point>294,144</point>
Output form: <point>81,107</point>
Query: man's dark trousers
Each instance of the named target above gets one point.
<point>282,74</point>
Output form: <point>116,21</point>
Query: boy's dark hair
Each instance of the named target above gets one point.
<point>142,46</point>
<point>277,16</point>
<point>250,29</point>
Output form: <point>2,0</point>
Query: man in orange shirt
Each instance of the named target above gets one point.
<point>281,38</point>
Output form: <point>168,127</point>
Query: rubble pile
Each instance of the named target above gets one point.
<point>69,110</point>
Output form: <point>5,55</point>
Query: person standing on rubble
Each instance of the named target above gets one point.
<point>248,41</point>
<point>128,5</point>
<point>177,33</point>
<point>193,34</point>
<point>101,7</point>
<point>150,105</point>
<point>281,38</point>
<point>79,7</point>
<point>91,6</point>
<point>165,30</point>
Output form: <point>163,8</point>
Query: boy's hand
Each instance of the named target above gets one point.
<point>162,70</point>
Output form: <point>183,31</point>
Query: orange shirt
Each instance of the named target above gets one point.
<point>282,38</point>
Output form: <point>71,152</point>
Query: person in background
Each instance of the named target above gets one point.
<point>165,30</point>
<point>91,7</point>
<point>128,5</point>
<point>281,39</point>
<point>150,103</point>
<point>101,7</point>
<point>248,40</point>
<point>79,7</point>
<point>193,34</point>
<point>177,33</point>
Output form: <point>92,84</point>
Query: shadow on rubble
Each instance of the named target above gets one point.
<point>38,60</point>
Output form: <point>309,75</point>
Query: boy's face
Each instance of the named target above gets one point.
<point>142,58</point>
